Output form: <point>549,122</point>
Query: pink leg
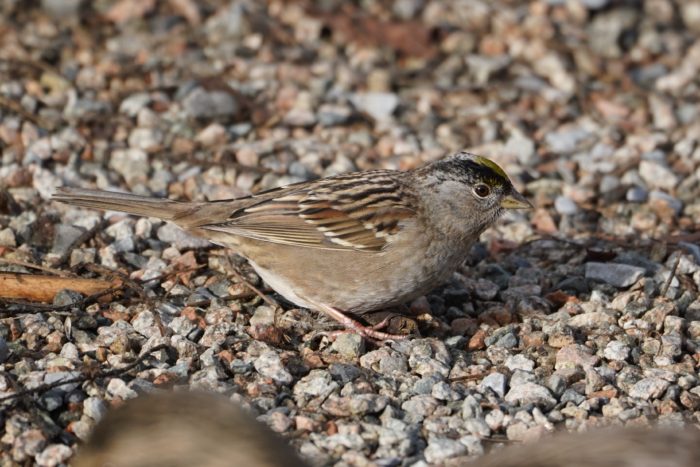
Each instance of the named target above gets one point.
<point>370,332</point>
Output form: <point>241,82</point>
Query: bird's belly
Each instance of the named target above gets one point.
<point>354,282</point>
<point>282,285</point>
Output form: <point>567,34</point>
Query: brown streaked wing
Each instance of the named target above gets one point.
<point>348,212</point>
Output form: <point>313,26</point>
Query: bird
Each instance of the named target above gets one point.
<point>186,428</point>
<point>347,244</point>
<point>183,428</point>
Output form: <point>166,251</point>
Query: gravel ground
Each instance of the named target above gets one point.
<point>583,312</point>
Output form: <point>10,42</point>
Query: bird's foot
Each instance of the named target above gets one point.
<point>372,333</point>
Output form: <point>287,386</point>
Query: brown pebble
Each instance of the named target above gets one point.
<point>477,340</point>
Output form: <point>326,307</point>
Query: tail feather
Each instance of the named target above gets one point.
<point>132,204</point>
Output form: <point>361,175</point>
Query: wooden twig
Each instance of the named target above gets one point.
<point>15,308</point>
<point>36,64</point>
<point>246,282</point>
<point>17,108</point>
<point>169,274</point>
<point>82,238</point>
<point>25,264</point>
<point>672,274</point>
<point>43,288</point>
<point>85,377</point>
<point>117,276</point>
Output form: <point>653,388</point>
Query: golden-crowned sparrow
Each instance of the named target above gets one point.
<point>351,243</point>
<point>183,429</point>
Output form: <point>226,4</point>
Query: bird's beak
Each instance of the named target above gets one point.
<point>515,201</point>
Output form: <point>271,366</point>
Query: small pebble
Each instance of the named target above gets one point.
<point>615,274</point>
<point>565,205</point>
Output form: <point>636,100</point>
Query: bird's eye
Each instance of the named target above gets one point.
<point>482,191</point>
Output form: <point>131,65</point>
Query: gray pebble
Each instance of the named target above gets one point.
<point>521,377</point>
<point>117,388</point>
<point>419,407</point>
<point>344,372</point>
<point>7,238</point>
<point>300,117</point>
<point>442,392</point>
<point>557,384</point>
<point>471,408</point>
<point>496,382</point>
<point>674,203</point>
<point>332,115</point>
<point>133,104</point>
<point>523,148</point>
<point>440,449</point>
<point>318,383</point>
<point>61,9</point>
<point>170,233</point>
<point>570,395</point>
<point>531,393</point>
<point>53,455</point>
<point>146,139</point>
<point>64,236</point>
<point>565,205</point>
<point>595,4</point>
<point>508,341</point>
<point>385,361</point>
<point>200,103</point>
<point>66,297</point>
<point>609,183</point>
<point>519,362</point>
<point>637,194</point>
<point>264,316</point>
<point>349,345</point>
<point>424,385</point>
<point>407,9</point>
<point>649,388</point>
<point>57,376</point>
<point>132,164</point>
<point>566,141</point>
<point>575,356</point>
<point>4,350</point>
<point>95,408</point>
<point>379,105</point>
<point>362,404</point>
<point>657,175</point>
<point>618,275</point>
<point>616,350</point>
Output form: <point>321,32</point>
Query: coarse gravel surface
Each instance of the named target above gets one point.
<point>580,313</point>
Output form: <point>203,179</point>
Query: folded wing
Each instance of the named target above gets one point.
<point>348,212</point>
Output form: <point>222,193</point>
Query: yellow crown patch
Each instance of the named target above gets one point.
<point>481,160</point>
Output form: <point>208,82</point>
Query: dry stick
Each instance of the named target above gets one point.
<point>239,296</point>
<point>110,273</point>
<point>83,378</point>
<point>25,264</point>
<point>247,283</point>
<point>42,307</point>
<point>38,64</point>
<point>170,273</point>
<point>690,238</point>
<point>44,288</point>
<point>82,238</point>
<point>17,108</point>
<point>670,277</point>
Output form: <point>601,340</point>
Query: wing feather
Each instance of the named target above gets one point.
<point>345,212</point>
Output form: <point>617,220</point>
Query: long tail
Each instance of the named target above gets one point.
<point>133,204</point>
